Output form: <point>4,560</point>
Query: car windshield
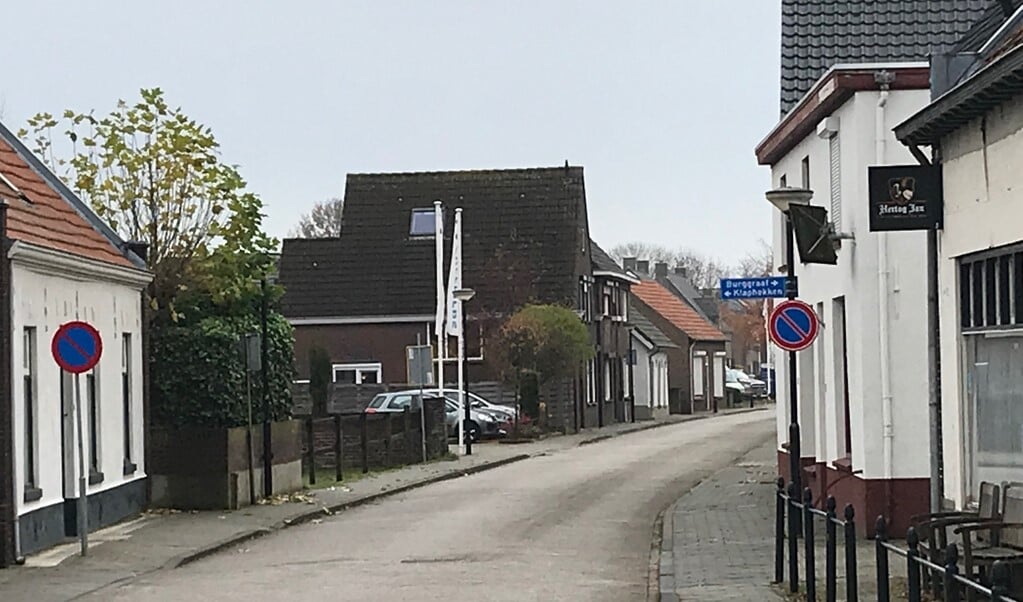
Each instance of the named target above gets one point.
<point>378,401</point>
<point>731,376</point>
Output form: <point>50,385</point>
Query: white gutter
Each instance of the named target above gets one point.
<point>884,79</point>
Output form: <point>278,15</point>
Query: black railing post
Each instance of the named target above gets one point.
<point>999,581</point>
<point>808,546</point>
<point>880,537</point>
<point>779,533</point>
<point>852,585</point>
<point>310,431</point>
<point>831,552</point>
<point>339,449</point>
<point>913,566</point>
<point>793,540</point>
<point>951,570</point>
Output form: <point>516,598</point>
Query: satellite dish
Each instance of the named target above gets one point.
<point>814,234</point>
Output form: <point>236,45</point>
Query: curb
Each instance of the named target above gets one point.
<point>307,516</point>
<point>654,425</point>
<point>666,561</point>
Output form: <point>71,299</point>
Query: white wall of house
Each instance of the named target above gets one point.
<point>982,180</point>
<point>855,281</point>
<point>50,289</point>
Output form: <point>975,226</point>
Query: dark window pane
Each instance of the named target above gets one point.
<point>370,378</point>
<point>346,377</point>
<point>30,434</point>
<point>1017,279</point>
<point>90,383</point>
<point>965,286</point>
<point>1004,299</point>
<point>423,223</point>
<point>978,294</point>
<point>990,289</point>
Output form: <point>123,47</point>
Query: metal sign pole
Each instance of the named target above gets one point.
<point>83,499</point>
<point>248,433</point>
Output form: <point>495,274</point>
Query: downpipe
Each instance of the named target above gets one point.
<point>884,80</point>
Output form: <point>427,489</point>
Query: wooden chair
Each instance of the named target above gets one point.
<point>933,527</point>
<point>1005,541</point>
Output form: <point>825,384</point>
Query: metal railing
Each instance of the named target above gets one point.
<point>947,582</point>
<point>801,513</point>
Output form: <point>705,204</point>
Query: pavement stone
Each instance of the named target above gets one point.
<point>158,541</point>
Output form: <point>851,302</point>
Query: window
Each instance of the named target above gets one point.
<point>129,466</point>
<point>423,223</point>
<point>31,437</point>
<point>607,380</point>
<point>92,398</point>
<point>591,382</point>
<point>805,171</point>
<point>783,181</point>
<point>357,374</point>
<point>585,300</point>
<point>991,289</point>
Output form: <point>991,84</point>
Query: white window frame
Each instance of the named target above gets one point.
<point>359,369</point>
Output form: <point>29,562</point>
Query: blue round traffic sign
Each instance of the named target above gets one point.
<point>793,325</point>
<point>77,347</point>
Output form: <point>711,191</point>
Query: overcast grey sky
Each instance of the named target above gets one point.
<point>661,102</point>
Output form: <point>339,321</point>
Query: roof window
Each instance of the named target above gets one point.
<point>422,223</point>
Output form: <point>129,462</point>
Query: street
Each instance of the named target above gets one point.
<point>573,525</point>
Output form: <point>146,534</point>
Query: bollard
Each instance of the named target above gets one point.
<point>880,537</point>
<point>852,585</point>
<point>339,449</point>
<point>913,566</point>
<point>808,546</point>
<point>312,451</point>
<point>951,570</point>
<point>364,436</point>
<point>779,533</point>
<point>999,581</point>
<point>831,552</point>
<point>793,541</point>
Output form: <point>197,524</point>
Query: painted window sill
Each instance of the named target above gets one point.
<point>33,494</point>
<point>95,478</point>
<point>129,467</point>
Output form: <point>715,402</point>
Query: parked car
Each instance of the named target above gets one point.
<point>478,402</point>
<point>757,387</point>
<point>734,389</point>
<point>481,424</point>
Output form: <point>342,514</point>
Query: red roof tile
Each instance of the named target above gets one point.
<point>48,220</point>
<point>676,311</point>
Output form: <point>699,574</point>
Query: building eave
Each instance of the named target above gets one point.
<point>616,276</point>
<point>65,265</point>
<point>831,91</point>
<point>343,320</point>
<point>991,86</point>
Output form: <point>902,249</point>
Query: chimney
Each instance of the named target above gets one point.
<point>629,263</point>
<point>643,266</point>
<point>660,270</point>
<point>681,271</point>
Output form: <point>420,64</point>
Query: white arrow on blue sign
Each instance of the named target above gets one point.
<point>753,288</point>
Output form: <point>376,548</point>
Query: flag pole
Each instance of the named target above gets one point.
<point>454,325</point>
<point>438,211</point>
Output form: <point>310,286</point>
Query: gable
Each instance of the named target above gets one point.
<point>524,234</point>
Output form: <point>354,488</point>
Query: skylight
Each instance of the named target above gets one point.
<point>422,222</point>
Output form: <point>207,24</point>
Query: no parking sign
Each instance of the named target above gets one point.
<point>793,325</point>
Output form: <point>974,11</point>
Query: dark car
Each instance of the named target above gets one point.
<point>768,376</point>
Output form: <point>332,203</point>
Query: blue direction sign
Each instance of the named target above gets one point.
<point>753,288</point>
<point>77,347</point>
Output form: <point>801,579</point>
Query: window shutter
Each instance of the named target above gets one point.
<point>836,182</point>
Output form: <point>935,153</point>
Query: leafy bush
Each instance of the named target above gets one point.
<point>198,372</point>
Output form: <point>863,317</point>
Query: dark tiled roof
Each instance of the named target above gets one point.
<point>817,34</point>
<point>983,29</point>
<point>676,311</point>
<point>643,324</point>
<point>603,262</point>
<point>52,217</point>
<point>524,238</point>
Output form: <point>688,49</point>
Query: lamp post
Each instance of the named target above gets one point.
<point>782,199</point>
<point>462,295</point>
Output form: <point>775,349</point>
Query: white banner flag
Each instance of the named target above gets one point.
<point>454,318</point>
<point>438,229</point>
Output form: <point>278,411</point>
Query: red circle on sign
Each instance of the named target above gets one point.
<point>807,338</point>
<point>64,335</point>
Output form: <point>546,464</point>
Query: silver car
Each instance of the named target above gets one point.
<point>481,424</point>
<point>477,402</point>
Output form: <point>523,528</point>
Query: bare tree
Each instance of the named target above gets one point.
<point>643,250</point>
<point>703,271</point>
<point>324,221</point>
<point>756,263</point>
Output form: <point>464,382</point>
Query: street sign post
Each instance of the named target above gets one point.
<point>793,325</point>
<point>755,288</point>
<point>77,347</point>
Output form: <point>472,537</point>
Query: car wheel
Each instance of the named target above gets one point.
<point>472,431</point>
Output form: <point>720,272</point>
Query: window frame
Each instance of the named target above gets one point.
<point>127,399</point>
<point>30,368</point>
<point>418,211</point>
<point>359,368</point>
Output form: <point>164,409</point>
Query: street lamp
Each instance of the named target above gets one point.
<point>783,198</point>
<point>462,295</point>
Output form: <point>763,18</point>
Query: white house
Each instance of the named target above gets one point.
<point>975,130</point>
<point>63,264</point>
<point>650,370</point>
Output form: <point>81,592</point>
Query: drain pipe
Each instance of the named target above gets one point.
<point>884,80</point>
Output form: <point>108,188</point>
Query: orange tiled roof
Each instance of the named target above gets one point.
<point>676,311</point>
<point>49,220</point>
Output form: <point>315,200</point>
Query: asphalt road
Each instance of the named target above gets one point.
<point>573,525</point>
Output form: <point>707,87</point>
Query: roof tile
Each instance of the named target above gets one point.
<point>674,310</point>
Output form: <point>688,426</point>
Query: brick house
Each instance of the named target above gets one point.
<point>696,370</point>
<point>61,263</point>
<point>368,295</point>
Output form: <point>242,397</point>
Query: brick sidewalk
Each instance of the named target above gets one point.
<point>157,542</point>
<point>719,538</point>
